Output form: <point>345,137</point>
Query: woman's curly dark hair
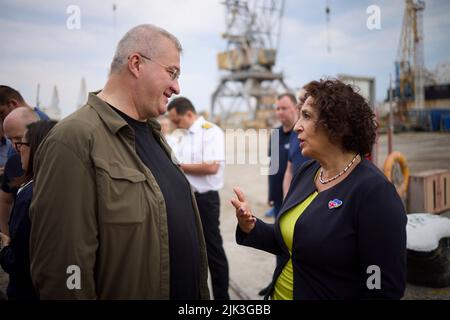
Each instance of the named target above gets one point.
<point>344,114</point>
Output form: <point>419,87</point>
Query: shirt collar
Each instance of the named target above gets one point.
<point>197,125</point>
<point>113,120</point>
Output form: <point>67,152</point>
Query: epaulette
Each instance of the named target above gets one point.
<point>207,125</point>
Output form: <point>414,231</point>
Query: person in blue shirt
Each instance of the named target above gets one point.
<point>11,99</point>
<point>286,113</point>
<point>14,256</point>
<point>5,144</point>
<point>295,156</point>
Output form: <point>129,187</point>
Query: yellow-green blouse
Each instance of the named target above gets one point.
<point>284,286</point>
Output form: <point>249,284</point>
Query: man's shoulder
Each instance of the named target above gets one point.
<point>211,128</point>
<point>83,119</point>
<point>77,128</point>
<point>41,114</point>
<point>207,125</point>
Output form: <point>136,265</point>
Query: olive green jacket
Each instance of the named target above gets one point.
<point>99,222</point>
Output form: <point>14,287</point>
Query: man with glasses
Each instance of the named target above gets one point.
<point>10,100</point>
<point>112,216</point>
<point>173,71</point>
<point>14,127</point>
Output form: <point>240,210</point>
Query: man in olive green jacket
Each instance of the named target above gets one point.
<point>112,216</point>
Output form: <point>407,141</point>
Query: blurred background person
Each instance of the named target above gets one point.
<point>5,145</point>
<point>295,156</point>
<point>14,126</point>
<point>11,101</point>
<point>14,257</point>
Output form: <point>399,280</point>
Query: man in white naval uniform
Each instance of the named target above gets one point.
<point>201,152</point>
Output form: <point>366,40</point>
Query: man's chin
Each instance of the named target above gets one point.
<point>162,109</point>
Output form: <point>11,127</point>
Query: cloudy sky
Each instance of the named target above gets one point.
<point>37,47</point>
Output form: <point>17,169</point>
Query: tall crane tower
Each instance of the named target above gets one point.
<point>252,38</point>
<point>410,67</point>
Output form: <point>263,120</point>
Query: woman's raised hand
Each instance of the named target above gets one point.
<point>246,220</point>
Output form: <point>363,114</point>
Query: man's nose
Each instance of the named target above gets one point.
<point>175,87</point>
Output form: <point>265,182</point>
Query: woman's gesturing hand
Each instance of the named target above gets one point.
<point>246,220</point>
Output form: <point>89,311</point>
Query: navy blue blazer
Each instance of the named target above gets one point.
<point>334,250</point>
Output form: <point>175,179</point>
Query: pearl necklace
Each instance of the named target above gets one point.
<point>339,174</point>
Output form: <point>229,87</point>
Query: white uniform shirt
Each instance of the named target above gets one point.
<point>172,142</point>
<point>203,142</point>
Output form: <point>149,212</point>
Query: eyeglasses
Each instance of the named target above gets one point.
<point>172,71</point>
<point>20,144</point>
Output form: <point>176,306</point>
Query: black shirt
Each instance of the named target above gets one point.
<point>183,238</point>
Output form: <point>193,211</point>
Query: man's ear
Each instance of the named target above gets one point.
<point>13,103</point>
<point>190,113</point>
<point>134,65</point>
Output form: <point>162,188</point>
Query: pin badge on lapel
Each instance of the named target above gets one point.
<point>333,204</point>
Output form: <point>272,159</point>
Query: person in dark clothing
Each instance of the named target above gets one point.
<point>14,257</point>
<point>184,277</point>
<point>295,156</point>
<point>5,145</point>
<point>341,228</point>
<point>286,113</point>
<point>131,227</point>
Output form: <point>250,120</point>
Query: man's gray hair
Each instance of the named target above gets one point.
<point>145,39</point>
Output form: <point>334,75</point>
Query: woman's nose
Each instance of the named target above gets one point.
<point>298,127</point>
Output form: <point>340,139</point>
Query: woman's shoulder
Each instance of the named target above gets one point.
<point>371,181</point>
<point>21,207</point>
<point>369,173</point>
<point>25,192</point>
<point>307,168</point>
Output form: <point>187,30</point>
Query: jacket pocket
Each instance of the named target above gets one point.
<point>122,193</point>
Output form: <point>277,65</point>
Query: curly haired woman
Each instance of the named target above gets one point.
<point>341,228</point>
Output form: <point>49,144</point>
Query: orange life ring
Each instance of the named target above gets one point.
<point>389,166</point>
